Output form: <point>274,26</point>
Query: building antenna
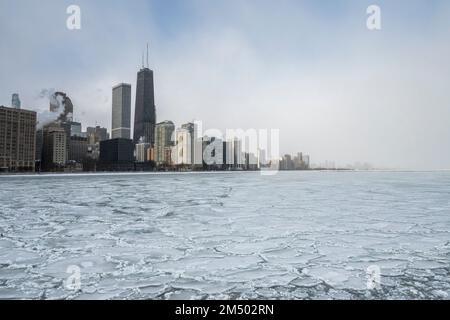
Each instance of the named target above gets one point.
<point>142,60</point>
<point>147,56</point>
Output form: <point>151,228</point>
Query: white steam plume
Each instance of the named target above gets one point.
<point>56,108</point>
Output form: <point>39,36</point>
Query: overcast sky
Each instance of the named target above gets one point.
<point>336,90</point>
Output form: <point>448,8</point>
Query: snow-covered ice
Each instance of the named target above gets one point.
<point>295,235</point>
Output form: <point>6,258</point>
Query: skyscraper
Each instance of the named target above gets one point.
<point>17,139</point>
<point>75,130</point>
<point>97,134</point>
<point>190,127</point>
<point>54,148</point>
<point>61,104</point>
<point>142,152</point>
<point>145,112</point>
<point>15,102</point>
<point>183,147</point>
<point>163,141</point>
<point>121,111</point>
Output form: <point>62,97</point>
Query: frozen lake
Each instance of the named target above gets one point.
<point>296,235</point>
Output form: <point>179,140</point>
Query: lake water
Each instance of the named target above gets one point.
<point>296,235</point>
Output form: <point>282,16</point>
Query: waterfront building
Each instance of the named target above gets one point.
<point>121,111</point>
<point>116,155</point>
<point>163,142</point>
<point>145,110</point>
<point>78,148</point>
<point>96,134</point>
<point>17,139</point>
<point>142,154</point>
<point>54,149</point>
<point>213,153</point>
<point>183,147</point>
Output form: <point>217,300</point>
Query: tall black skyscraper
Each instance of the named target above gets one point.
<point>145,114</point>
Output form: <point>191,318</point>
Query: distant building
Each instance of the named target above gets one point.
<point>301,161</point>
<point>75,130</point>
<point>67,126</point>
<point>93,151</point>
<point>190,128</point>
<point>145,110</point>
<point>298,162</point>
<point>116,155</point>
<point>15,101</point>
<point>151,154</point>
<point>121,111</point>
<point>17,139</point>
<point>183,147</point>
<point>39,147</point>
<point>251,162</point>
<point>168,161</point>
<point>229,153</point>
<point>78,149</point>
<point>163,142</point>
<point>96,134</point>
<point>262,158</point>
<point>142,154</point>
<point>234,156</point>
<point>306,162</point>
<point>54,150</point>
<point>213,153</point>
<point>287,163</point>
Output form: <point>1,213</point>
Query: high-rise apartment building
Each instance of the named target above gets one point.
<point>17,139</point>
<point>191,129</point>
<point>183,147</point>
<point>121,111</point>
<point>54,155</point>
<point>142,154</point>
<point>234,155</point>
<point>163,141</point>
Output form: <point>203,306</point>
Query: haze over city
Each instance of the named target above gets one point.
<point>335,89</point>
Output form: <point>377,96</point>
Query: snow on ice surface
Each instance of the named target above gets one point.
<point>296,235</point>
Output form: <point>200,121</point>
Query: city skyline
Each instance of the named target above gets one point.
<point>225,156</point>
<point>341,93</point>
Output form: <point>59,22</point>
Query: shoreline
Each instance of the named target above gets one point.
<point>124,173</point>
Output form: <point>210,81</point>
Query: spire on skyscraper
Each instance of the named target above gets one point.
<point>145,113</point>
<point>147,56</point>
